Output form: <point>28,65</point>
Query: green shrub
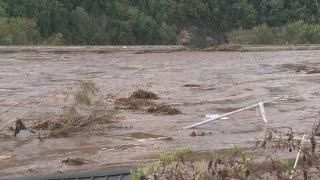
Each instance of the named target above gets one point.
<point>241,36</point>
<point>166,161</point>
<point>55,40</point>
<point>167,34</point>
<point>262,34</point>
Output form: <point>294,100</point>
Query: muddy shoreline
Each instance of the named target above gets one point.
<point>146,49</point>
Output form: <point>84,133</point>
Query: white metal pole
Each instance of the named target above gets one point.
<point>263,112</point>
<point>228,114</point>
<point>297,158</point>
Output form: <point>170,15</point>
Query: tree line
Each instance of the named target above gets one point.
<point>141,22</point>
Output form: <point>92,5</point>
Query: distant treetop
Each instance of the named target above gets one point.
<point>140,22</point>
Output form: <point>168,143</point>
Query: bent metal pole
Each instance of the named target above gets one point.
<point>228,114</point>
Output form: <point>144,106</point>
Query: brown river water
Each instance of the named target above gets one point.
<point>223,81</point>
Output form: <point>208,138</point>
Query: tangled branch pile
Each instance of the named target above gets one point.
<point>87,108</point>
<point>142,100</point>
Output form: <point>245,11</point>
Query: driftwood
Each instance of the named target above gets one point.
<point>14,105</point>
<point>27,113</point>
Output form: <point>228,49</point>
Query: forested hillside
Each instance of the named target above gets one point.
<point>150,22</point>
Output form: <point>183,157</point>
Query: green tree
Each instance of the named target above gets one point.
<point>2,9</point>
<point>80,26</point>
<point>167,34</point>
<point>244,14</point>
<point>145,30</point>
<point>157,21</point>
<point>273,13</point>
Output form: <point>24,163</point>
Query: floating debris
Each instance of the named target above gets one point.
<point>191,85</point>
<point>315,71</point>
<point>22,132</point>
<point>132,103</point>
<point>86,109</point>
<point>200,133</point>
<point>193,134</point>
<point>164,109</point>
<point>142,94</point>
<point>74,161</point>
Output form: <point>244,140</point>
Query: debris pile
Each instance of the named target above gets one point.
<point>87,108</point>
<point>230,47</point>
<point>225,47</point>
<point>84,107</point>
<point>314,71</point>
<point>74,161</point>
<point>141,94</point>
<point>132,103</point>
<point>142,100</point>
<point>199,133</point>
<point>139,100</point>
<point>191,85</point>
<point>163,110</point>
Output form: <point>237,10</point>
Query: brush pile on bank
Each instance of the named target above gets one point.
<point>260,162</point>
<point>235,164</point>
<point>144,100</point>
<point>225,47</point>
<point>230,47</point>
<point>87,107</point>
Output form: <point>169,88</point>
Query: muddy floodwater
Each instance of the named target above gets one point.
<point>197,83</point>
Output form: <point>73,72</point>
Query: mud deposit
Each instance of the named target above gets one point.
<point>195,82</point>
